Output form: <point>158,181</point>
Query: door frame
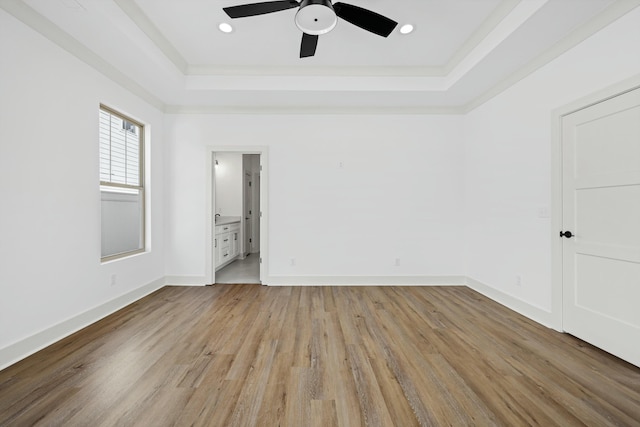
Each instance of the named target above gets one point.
<point>210,274</point>
<point>255,195</point>
<point>557,117</point>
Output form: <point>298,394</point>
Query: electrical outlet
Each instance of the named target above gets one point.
<point>397,262</point>
<point>114,279</point>
<point>292,262</point>
<point>518,281</point>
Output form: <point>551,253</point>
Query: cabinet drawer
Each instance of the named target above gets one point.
<point>234,227</point>
<point>224,240</point>
<point>223,228</point>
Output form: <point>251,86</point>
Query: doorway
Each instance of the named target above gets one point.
<point>236,238</point>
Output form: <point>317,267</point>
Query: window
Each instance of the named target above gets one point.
<point>121,185</point>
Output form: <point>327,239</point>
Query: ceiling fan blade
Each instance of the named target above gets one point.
<point>308,45</point>
<point>254,9</point>
<point>365,19</point>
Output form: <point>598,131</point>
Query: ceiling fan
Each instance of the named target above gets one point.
<point>316,17</point>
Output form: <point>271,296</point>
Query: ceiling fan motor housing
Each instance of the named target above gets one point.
<point>316,17</point>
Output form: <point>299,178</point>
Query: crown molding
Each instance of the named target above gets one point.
<point>493,20</point>
<point>330,71</point>
<point>133,11</point>
<point>598,22</point>
<point>501,32</point>
<point>55,34</point>
<point>328,110</point>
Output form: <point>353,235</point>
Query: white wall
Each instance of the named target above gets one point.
<point>508,164</point>
<point>50,268</point>
<point>347,194</point>
<point>228,179</point>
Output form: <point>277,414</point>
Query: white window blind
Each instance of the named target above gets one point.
<point>119,150</point>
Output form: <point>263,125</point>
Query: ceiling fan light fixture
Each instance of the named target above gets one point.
<point>406,29</point>
<point>316,17</point>
<point>225,28</point>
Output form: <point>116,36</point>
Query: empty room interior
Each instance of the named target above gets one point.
<point>408,212</point>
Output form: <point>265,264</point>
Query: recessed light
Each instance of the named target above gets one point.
<point>406,29</point>
<point>225,28</point>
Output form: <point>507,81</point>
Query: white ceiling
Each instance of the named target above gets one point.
<point>461,52</point>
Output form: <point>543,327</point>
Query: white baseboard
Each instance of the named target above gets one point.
<point>185,281</point>
<point>21,349</point>
<point>26,347</point>
<point>534,313</point>
<point>366,281</point>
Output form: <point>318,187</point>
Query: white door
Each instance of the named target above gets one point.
<point>601,209</point>
<point>255,240</point>
<point>248,213</point>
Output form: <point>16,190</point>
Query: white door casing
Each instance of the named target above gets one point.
<point>601,207</point>
<point>263,153</point>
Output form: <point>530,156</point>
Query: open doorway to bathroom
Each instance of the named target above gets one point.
<point>237,226</point>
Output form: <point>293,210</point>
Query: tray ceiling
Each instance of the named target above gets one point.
<point>460,52</point>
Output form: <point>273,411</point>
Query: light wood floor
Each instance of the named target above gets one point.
<point>308,356</point>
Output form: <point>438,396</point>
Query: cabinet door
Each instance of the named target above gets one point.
<point>224,240</point>
<point>216,250</point>
<point>225,255</point>
<point>234,244</point>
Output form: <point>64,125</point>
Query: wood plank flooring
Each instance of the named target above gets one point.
<point>248,355</point>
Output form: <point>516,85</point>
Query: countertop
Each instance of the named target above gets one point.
<point>223,220</point>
